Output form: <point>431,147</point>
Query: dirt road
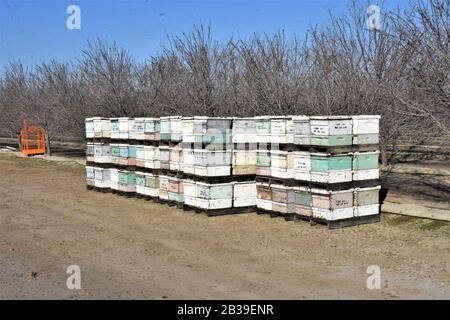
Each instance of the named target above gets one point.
<point>130,248</point>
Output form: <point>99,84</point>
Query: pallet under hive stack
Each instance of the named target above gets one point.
<point>208,183</point>
<point>322,169</point>
<point>330,177</point>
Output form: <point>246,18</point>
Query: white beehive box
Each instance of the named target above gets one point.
<point>164,187</point>
<point>302,130</point>
<point>131,129</point>
<point>212,158</point>
<point>90,152</point>
<point>326,199</point>
<point>114,178</point>
<point>142,186</point>
<point>331,125</point>
<point>187,129</point>
<point>175,128</point>
<point>263,129</point>
<point>244,158</point>
<point>301,165</point>
<point>102,153</point>
<point>366,201</point>
<point>115,128</point>
<point>188,157</point>
<point>190,192</point>
<point>244,130</point>
<point>139,127</point>
<point>102,127</point>
<point>366,129</point>
<point>211,171</point>
<point>244,194</point>
<point>102,177</point>
<point>151,155</point>
<point>90,175</point>
<point>140,156</point>
<point>214,196</point>
<point>281,130</point>
<point>140,183</point>
<point>124,127</point>
<point>332,215</point>
<point>264,204</point>
<point>281,164</point>
<point>89,127</point>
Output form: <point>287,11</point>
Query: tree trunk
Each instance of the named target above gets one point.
<point>48,149</point>
<point>384,158</point>
<point>19,141</point>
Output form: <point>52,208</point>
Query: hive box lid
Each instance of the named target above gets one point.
<point>330,117</point>
<point>367,117</point>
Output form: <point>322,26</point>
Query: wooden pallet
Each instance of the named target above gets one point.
<point>172,203</point>
<point>101,140</point>
<point>355,221</point>
<point>366,183</point>
<point>271,214</point>
<point>126,141</point>
<point>146,170</point>
<point>332,186</point>
<point>124,194</point>
<point>276,146</point>
<point>100,165</point>
<point>170,144</point>
<point>366,147</point>
<point>331,150</point>
<point>154,143</point>
<point>214,146</point>
<point>273,180</point>
<point>222,179</point>
<point>220,212</point>
<point>170,173</point>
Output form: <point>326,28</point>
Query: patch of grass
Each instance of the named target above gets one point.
<point>434,225</point>
<point>397,220</point>
<point>24,162</point>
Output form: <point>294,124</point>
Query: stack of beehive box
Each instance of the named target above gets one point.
<point>328,174</point>
<point>98,153</point>
<point>209,182</point>
<point>170,161</point>
<point>116,154</point>
<point>318,168</point>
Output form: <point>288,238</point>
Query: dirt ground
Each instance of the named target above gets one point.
<point>131,248</point>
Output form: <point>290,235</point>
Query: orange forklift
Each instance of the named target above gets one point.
<point>32,139</point>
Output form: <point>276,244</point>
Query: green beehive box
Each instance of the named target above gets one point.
<point>302,197</point>
<point>263,159</point>
<point>214,192</point>
<point>151,126</point>
<point>127,178</point>
<point>331,141</point>
<point>152,182</point>
<point>140,180</point>
<point>164,125</point>
<point>209,138</point>
<point>367,196</point>
<point>330,163</point>
<point>263,126</point>
<point>164,136</point>
<point>365,160</point>
<point>177,197</point>
<point>115,151</point>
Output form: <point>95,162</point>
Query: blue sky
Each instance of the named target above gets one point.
<point>35,31</point>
